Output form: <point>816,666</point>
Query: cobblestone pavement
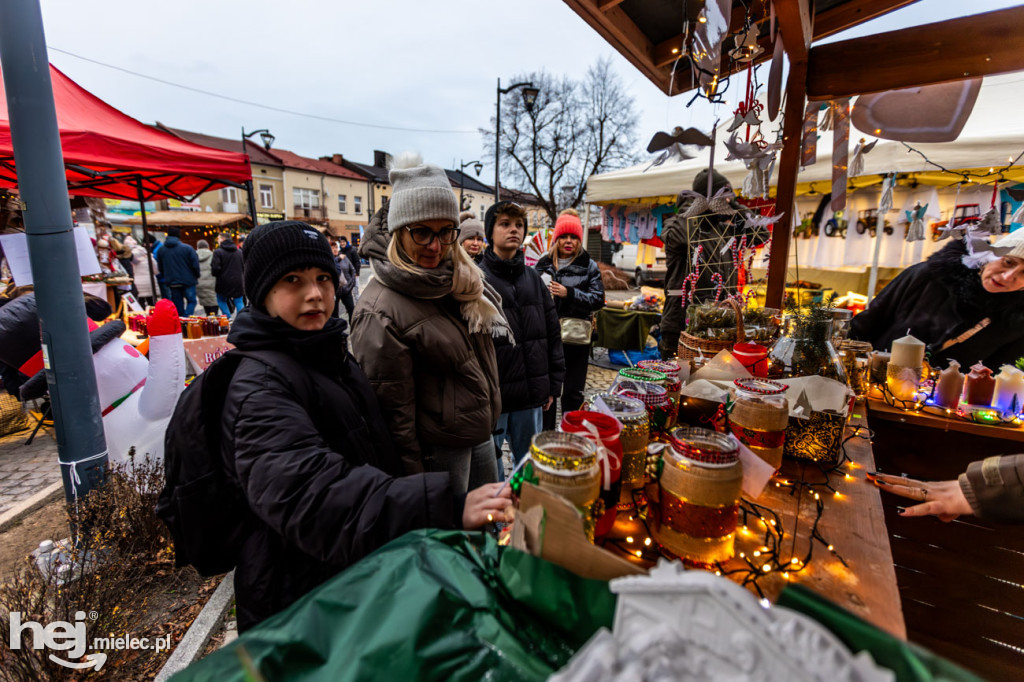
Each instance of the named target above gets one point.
<point>26,469</point>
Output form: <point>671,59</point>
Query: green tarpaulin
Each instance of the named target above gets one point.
<point>431,605</point>
<point>454,606</point>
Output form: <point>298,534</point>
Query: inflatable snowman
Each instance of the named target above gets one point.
<point>137,395</point>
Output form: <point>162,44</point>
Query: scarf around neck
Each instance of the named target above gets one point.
<point>479,303</point>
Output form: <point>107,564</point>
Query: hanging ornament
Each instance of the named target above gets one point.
<point>930,113</point>
<point>746,49</point>
<point>809,148</point>
<point>774,96</point>
<point>840,152</point>
<point>915,231</point>
<point>857,163</point>
<point>706,51</point>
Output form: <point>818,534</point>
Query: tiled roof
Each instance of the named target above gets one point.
<point>375,173</point>
<point>470,183</point>
<point>293,160</point>
<point>254,150</point>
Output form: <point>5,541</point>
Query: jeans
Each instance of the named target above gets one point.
<point>468,467</point>
<point>224,301</point>
<point>518,428</point>
<point>577,361</point>
<point>184,299</point>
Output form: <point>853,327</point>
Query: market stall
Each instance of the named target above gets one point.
<point>109,154</point>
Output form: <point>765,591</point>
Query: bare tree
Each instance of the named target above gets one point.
<point>576,129</point>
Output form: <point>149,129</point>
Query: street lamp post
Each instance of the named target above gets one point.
<point>477,166</point>
<point>268,140</point>
<point>529,98</point>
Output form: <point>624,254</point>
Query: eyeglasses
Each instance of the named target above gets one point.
<point>424,236</point>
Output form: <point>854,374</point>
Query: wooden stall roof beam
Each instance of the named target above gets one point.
<point>968,47</point>
<point>796,28</point>
<point>618,29</point>
<point>842,17</point>
<point>605,5</point>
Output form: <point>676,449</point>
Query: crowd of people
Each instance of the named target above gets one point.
<point>456,347</point>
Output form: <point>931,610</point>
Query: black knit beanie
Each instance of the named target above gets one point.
<point>275,249</point>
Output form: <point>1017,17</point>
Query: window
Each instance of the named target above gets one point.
<point>306,198</point>
<point>358,201</point>
<point>266,196</point>
<point>229,195</point>
<point>342,208</point>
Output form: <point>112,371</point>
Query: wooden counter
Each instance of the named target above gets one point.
<point>960,582</point>
<point>855,525</point>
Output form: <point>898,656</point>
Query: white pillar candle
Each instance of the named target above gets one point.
<point>907,352</point>
<point>1009,394</point>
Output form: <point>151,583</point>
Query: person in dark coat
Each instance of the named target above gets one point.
<point>710,233</point>
<point>575,282</point>
<point>179,266</point>
<point>351,252</point>
<point>321,481</point>
<point>944,302</point>
<point>348,275</point>
<point>226,267</point>
<point>530,372</point>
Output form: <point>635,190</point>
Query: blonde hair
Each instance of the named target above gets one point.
<point>467,277</point>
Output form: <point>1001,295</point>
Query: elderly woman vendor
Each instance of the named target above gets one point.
<point>963,309</point>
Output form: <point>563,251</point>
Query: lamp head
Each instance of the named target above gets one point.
<point>530,97</point>
<point>267,138</point>
<point>478,167</point>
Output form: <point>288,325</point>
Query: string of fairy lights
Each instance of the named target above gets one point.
<point>770,558</point>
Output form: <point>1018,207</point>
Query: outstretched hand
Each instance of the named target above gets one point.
<point>485,505</point>
<point>944,499</point>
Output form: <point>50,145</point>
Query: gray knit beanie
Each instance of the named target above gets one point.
<point>420,192</point>
<point>469,226</point>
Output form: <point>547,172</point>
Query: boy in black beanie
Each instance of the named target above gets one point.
<point>303,441</point>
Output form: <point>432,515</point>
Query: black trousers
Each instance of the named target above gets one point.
<point>346,300</point>
<point>577,361</point>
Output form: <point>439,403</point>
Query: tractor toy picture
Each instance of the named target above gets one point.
<point>868,222</point>
<point>964,215</point>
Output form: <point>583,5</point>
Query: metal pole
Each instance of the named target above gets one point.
<point>497,148</point>
<point>67,351</point>
<point>462,182</point>
<point>145,237</point>
<point>248,183</point>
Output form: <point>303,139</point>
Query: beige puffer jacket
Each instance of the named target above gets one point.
<point>436,383</point>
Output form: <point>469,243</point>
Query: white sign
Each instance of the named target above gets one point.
<point>16,251</point>
<point>132,303</point>
<point>71,637</point>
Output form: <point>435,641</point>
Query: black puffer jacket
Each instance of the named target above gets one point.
<point>534,368</point>
<point>319,479</point>
<point>226,267</point>
<point>582,278</point>
<point>939,300</point>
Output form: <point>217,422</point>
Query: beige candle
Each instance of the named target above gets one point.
<point>1009,393</point>
<point>907,352</point>
<point>949,386</point>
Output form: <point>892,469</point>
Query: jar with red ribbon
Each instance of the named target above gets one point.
<point>567,464</point>
<point>759,417</point>
<point>660,410</point>
<point>673,383</point>
<point>633,438</point>
<point>603,430</point>
<point>699,490</point>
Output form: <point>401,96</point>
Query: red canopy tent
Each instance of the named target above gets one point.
<point>110,154</point>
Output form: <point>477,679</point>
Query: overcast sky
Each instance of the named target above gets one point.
<point>402,63</point>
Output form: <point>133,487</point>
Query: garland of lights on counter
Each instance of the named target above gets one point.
<point>769,558</point>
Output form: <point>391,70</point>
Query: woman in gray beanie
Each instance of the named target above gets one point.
<point>422,330</point>
<point>471,236</point>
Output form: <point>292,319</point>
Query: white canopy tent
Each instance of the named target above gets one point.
<point>994,133</point>
<point>992,136</point>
